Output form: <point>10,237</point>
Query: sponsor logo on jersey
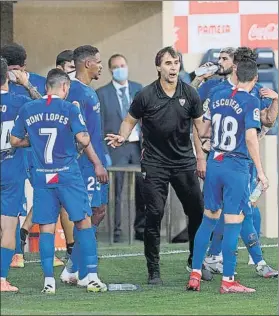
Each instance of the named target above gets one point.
<point>52,178</point>
<point>256,115</point>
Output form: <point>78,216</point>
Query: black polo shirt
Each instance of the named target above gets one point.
<point>166,123</point>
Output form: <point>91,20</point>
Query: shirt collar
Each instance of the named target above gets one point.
<point>118,86</point>
<point>54,96</point>
<point>161,93</point>
<point>230,82</point>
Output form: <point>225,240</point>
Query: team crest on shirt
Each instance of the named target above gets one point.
<point>143,175</point>
<point>256,115</point>
<point>182,102</point>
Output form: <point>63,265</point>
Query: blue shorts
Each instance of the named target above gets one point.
<point>12,199</point>
<point>226,186</point>
<point>47,203</point>
<point>97,193</point>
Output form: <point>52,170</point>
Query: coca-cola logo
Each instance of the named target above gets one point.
<point>268,32</point>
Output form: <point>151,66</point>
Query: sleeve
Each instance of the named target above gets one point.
<point>196,104</point>
<point>100,96</point>
<point>265,103</point>
<point>253,117</point>
<point>138,106</point>
<point>76,121</point>
<point>203,90</point>
<point>92,115</point>
<point>19,130</point>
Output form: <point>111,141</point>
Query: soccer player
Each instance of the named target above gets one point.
<point>166,108</point>
<point>53,124</point>
<point>234,118</point>
<point>12,176</point>
<point>250,232</point>
<point>88,67</point>
<point>65,62</point>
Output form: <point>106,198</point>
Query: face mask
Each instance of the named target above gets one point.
<point>11,76</point>
<point>72,74</point>
<point>120,74</point>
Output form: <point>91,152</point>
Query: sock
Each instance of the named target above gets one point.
<point>228,279</point>
<point>46,244</point>
<point>250,239</point>
<point>6,259</point>
<point>88,252</point>
<point>70,247</point>
<point>229,248</point>
<point>23,234</point>
<point>217,237</point>
<point>18,245</point>
<point>74,259</point>
<point>202,239</point>
<point>257,220</point>
<point>50,281</point>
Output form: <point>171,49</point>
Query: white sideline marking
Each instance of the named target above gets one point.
<point>138,254</point>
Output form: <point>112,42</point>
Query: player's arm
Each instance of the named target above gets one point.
<point>199,79</point>
<point>252,125</point>
<point>269,115</point>
<point>21,78</point>
<point>135,113</point>
<point>19,136</point>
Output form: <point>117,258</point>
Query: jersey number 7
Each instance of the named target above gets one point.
<point>52,134</point>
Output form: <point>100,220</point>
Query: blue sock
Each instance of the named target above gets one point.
<point>46,243</point>
<point>217,237</point>
<point>88,252</point>
<point>250,238</point>
<point>202,239</point>
<point>257,220</point>
<point>74,255</point>
<point>18,247</point>
<point>6,259</point>
<point>229,248</point>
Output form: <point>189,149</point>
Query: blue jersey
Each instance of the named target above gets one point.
<point>51,126</point>
<point>264,102</point>
<point>232,112</point>
<point>11,159</point>
<point>37,82</point>
<point>204,89</point>
<point>90,109</point>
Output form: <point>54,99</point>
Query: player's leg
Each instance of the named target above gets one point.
<point>68,228</point>
<point>187,188</point>
<point>250,238</point>
<point>75,200</point>
<point>11,199</point>
<point>156,183</point>
<point>235,195</point>
<point>46,208</point>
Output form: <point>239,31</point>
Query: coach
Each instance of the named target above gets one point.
<point>166,108</point>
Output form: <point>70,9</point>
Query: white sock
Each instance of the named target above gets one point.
<point>50,281</point>
<point>3,279</point>
<point>261,263</point>
<point>92,276</point>
<point>228,279</point>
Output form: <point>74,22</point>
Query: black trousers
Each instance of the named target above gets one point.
<point>128,153</point>
<point>156,184</point>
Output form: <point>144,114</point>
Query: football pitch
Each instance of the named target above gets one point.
<point>121,263</point>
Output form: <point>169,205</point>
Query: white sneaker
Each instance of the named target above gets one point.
<point>69,278</point>
<point>83,283</point>
<point>96,286</point>
<point>214,264</point>
<point>49,286</point>
<point>251,262</point>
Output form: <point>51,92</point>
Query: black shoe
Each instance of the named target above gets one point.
<point>116,238</point>
<point>154,279</point>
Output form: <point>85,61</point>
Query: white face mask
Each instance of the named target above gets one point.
<point>11,76</point>
<point>72,74</point>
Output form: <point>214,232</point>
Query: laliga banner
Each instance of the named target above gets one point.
<point>200,25</point>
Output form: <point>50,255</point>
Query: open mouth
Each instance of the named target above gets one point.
<point>173,75</point>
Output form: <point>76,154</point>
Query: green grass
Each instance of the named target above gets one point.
<point>170,299</point>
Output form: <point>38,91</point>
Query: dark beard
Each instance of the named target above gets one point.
<point>225,72</point>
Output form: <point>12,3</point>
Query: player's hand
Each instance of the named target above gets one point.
<point>201,167</point>
<point>263,179</point>
<point>268,93</point>
<point>101,173</point>
<point>115,140</point>
<point>21,77</point>
<point>208,75</point>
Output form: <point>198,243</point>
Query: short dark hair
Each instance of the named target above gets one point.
<point>163,51</point>
<point>82,52</point>
<point>56,77</point>
<point>246,70</point>
<point>63,57</point>
<point>228,50</point>
<point>14,53</point>
<point>4,71</point>
<point>115,56</point>
<point>244,53</point>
